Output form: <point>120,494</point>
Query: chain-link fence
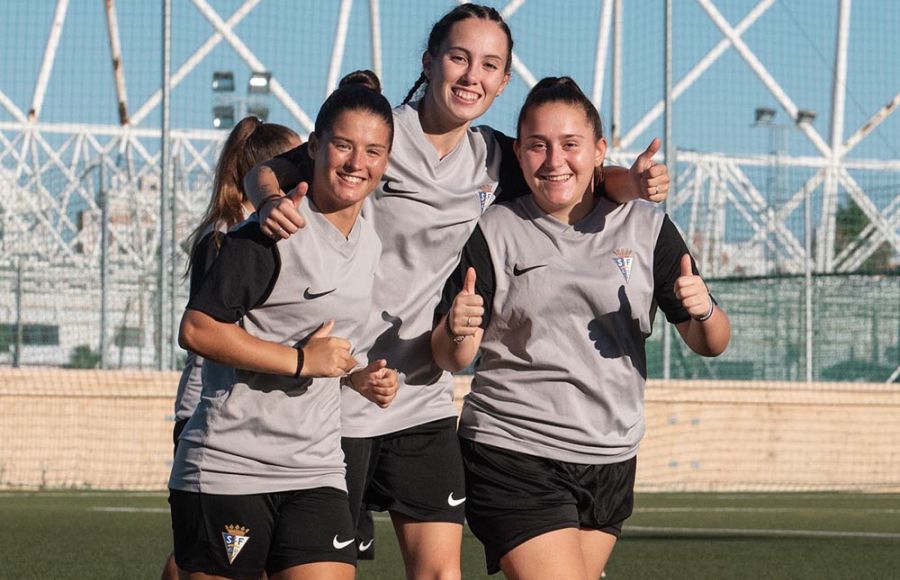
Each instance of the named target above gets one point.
<point>786,157</point>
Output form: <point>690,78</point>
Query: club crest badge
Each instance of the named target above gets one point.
<point>486,196</point>
<point>235,538</point>
<point>623,259</point>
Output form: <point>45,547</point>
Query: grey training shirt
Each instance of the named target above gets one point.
<point>423,211</point>
<point>263,433</point>
<point>568,309</point>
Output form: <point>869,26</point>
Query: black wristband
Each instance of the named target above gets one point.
<point>299,350</point>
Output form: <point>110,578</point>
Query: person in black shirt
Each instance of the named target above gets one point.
<point>249,142</point>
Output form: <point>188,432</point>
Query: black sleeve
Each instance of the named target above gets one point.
<point>202,258</point>
<point>512,182</point>
<point>475,254</point>
<point>299,158</point>
<point>667,254</point>
<point>242,276</point>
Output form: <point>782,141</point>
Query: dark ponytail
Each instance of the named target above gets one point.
<point>356,92</point>
<point>560,90</point>
<point>363,77</point>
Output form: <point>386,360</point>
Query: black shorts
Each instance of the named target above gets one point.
<point>416,472</point>
<point>240,536</point>
<point>513,497</point>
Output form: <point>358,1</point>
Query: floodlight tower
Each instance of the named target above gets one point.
<point>765,118</point>
<point>229,108</point>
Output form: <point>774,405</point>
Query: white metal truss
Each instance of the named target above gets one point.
<point>27,152</point>
<point>51,173</point>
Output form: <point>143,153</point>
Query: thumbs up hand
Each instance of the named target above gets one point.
<point>280,217</point>
<point>376,382</point>
<point>691,290</point>
<point>651,178</point>
<point>325,355</point>
<point>465,314</point>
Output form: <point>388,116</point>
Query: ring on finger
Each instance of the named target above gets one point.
<point>468,321</point>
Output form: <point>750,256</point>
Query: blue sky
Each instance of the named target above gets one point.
<point>794,40</point>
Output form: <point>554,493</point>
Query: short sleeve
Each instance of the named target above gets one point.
<point>202,258</point>
<point>667,254</point>
<point>475,254</point>
<point>302,167</point>
<point>242,276</point>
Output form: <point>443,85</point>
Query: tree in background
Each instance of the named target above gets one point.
<point>82,357</point>
<point>850,221</point>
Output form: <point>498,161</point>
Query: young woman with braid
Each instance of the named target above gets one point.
<point>558,290</point>
<point>442,175</point>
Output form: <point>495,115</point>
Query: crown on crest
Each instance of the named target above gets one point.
<point>236,530</point>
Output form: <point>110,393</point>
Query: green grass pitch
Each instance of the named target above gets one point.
<point>76,535</point>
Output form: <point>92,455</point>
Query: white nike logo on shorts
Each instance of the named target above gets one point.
<point>454,502</point>
<point>338,545</point>
<point>363,546</point>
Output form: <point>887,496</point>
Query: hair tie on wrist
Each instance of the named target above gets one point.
<point>709,313</point>
<point>299,350</point>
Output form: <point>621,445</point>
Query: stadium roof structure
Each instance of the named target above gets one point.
<point>85,188</point>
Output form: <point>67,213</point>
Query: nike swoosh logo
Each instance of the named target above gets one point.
<point>363,546</point>
<point>313,295</point>
<point>388,189</point>
<point>339,545</point>
<point>454,502</point>
<point>519,271</point>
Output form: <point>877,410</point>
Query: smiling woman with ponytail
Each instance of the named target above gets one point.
<point>558,290</point>
<point>258,480</point>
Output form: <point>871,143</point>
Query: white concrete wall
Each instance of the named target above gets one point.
<point>112,430</point>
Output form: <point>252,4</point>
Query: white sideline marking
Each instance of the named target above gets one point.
<point>761,510</point>
<point>762,532</point>
<point>130,510</point>
<point>796,495</point>
<point>648,529</point>
<point>126,494</point>
<point>158,510</point>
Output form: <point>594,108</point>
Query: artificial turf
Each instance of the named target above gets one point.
<point>76,535</point>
